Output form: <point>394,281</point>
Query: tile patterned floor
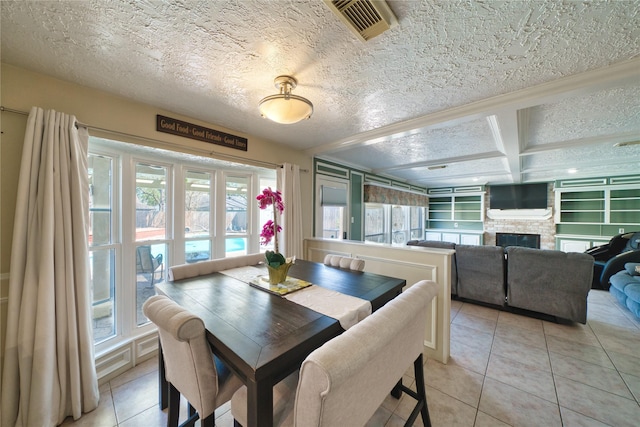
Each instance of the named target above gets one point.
<point>505,370</point>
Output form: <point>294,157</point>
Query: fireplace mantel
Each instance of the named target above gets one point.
<point>532,214</point>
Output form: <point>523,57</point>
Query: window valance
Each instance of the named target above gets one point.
<point>376,193</point>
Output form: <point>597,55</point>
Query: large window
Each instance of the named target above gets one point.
<point>393,224</point>
<point>151,209</point>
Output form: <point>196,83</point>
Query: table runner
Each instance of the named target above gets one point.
<point>348,310</point>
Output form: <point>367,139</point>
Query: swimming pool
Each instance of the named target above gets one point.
<point>199,250</point>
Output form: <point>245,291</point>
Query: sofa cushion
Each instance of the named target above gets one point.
<point>549,282</point>
<point>481,273</point>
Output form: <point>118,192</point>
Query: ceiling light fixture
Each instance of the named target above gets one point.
<point>284,107</point>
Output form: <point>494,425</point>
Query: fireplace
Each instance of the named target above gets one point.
<point>518,239</point>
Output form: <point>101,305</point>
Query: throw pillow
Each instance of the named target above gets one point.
<point>633,268</point>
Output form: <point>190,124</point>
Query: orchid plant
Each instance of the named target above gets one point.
<point>270,229</point>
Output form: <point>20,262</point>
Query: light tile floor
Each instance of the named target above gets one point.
<point>505,370</point>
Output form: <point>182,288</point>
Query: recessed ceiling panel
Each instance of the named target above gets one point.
<point>603,113</point>
<point>601,170</point>
<point>587,155</point>
<point>467,169</point>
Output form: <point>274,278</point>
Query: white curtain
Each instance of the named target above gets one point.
<point>289,185</point>
<point>49,369</point>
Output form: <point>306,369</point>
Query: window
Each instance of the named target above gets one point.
<point>265,214</point>
<point>417,222</point>
<point>151,209</point>
<point>236,229</point>
<point>197,216</point>
<point>150,231</point>
<point>375,225</point>
<point>393,224</point>
<point>102,245</point>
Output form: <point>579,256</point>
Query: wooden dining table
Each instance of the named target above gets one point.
<point>263,337</point>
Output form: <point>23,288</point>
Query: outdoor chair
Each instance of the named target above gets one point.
<point>148,265</point>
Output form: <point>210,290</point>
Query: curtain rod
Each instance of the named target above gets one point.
<point>165,143</point>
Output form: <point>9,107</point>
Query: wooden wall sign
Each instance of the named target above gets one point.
<point>200,133</point>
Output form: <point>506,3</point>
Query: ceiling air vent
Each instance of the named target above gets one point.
<point>366,18</point>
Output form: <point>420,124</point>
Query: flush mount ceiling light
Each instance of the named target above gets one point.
<point>284,107</point>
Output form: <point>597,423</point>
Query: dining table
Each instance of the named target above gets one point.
<point>263,337</point>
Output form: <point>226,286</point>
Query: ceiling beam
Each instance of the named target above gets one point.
<point>445,161</point>
<point>506,133</point>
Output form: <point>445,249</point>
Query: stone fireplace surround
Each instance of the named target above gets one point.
<point>545,227</point>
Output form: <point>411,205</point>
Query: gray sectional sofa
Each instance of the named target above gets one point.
<point>554,283</point>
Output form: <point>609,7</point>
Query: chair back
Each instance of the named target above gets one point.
<point>345,262</point>
<point>345,381</point>
<point>185,271</point>
<point>189,363</point>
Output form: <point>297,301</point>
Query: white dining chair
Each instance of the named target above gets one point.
<point>185,271</point>
<point>191,369</point>
<point>345,262</point>
<point>344,382</point>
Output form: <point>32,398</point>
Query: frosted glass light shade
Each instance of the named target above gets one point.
<point>286,109</point>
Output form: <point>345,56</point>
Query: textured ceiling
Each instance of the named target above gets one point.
<point>498,91</point>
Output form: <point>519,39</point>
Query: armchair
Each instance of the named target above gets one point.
<point>611,257</point>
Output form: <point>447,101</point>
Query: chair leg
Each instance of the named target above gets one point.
<point>418,368</point>
<point>174,406</point>
<point>210,421</point>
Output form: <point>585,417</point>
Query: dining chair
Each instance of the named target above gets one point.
<point>191,369</point>
<point>345,262</point>
<point>344,381</point>
<point>185,271</point>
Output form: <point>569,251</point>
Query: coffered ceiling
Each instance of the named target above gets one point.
<point>457,93</point>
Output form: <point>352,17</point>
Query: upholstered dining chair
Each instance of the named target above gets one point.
<point>185,271</point>
<point>348,263</point>
<point>343,382</point>
<point>191,369</point>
